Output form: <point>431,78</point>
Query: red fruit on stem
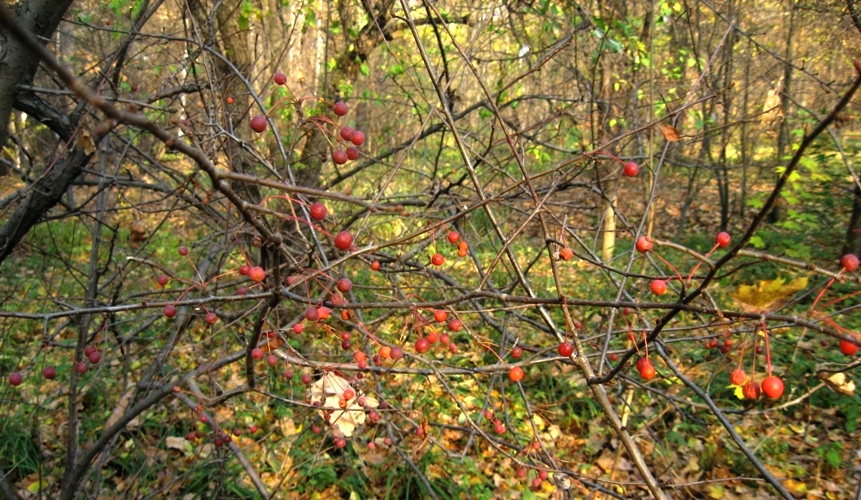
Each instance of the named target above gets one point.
<point>257,274</point>
<point>517,352</point>
<point>347,133</point>
<point>272,360</point>
<point>298,328</point>
<point>257,353</point>
<point>444,339</point>
<point>659,287</point>
<point>772,387</point>
<point>437,259</point>
<point>340,108</point>
<point>631,169</point>
<point>723,239</point>
<point>211,318</point>
<point>244,269</point>
<point>455,325</point>
<point>280,78</point>
<point>453,236</point>
<point>344,285</point>
<point>89,350</point>
<point>848,348</point>
<point>499,428</point>
<point>422,345</point>
<point>646,368</point>
<point>339,157</point>
<point>163,279</point>
<point>15,379</point>
<point>318,211</point>
<point>323,313</point>
<point>375,265</point>
<point>440,315</point>
<point>565,349</point>
<point>49,372</point>
<point>81,368</point>
<point>849,262</point>
<point>343,240</point>
<point>258,124</point>
<point>614,356</point>
<point>750,390</point>
<point>183,250</point>
<point>515,373</point>
<point>169,311</point>
<point>358,138</point>
<point>352,153</point>
<point>566,253</point>
<point>306,379</point>
<point>94,357</point>
<point>738,377</point>
<point>643,244</point>
<point>397,353</point>
<point>432,337</point>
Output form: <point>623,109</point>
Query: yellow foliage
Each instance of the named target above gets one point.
<point>767,296</point>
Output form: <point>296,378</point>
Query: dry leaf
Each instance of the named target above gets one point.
<point>85,141</point>
<point>329,391</point>
<point>838,382</point>
<point>669,132</point>
<point>176,443</point>
<point>767,296</point>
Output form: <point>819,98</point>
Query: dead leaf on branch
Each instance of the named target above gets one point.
<point>669,132</point>
<point>838,382</point>
<point>768,295</point>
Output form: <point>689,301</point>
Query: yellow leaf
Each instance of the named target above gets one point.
<point>738,392</point>
<point>767,296</point>
<point>669,132</point>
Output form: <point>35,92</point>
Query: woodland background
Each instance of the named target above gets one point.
<point>125,137</point>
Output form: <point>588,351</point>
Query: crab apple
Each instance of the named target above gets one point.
<point>455,325</point>
<point>257,353</point>
<point>339,157</point>
<point>437,259</point>
<point>499,428</point>
<point>515,373</point>
<point>306,379</point>
<point>257,274</point>
<point>272,360</point>
<point>311,314</point>
<point>848,348</point>
<point>343,240</point>
<point>385,352</point>
<point>241,290</point>
<point>659,287</point>
<point>453,236</point>
<point>94,357</point>
<point>723,239</point>
<point>397,353</point>
<point>49,372</point>
<point>340,108</point>
<point>347,133</point>
<point>521,473</point>
<point>80,367</point>
<point>163,279</point>
<point>440,315</point>
<point>375,265</point>
<point>772,387</point>
<point>169,311</point>
<point>15,379</point>
<point>631,169</point>
<point>643,244</point>
<point>298,328</point>
<point>517,352</point>
<point>452,348</point>
<point>89,350</point>
<point>422,345</point>
<point>344,285</point>
<point>750,390</point>
<point>258,124</point>
<point>646,369</point>
<point>565,349</point>
<point>352,153</point>
<point>536,483</point>
<point>244,269</point>
<point>566,253</point>
<point>211,318</point>
<point>444,339</point>
<point>318,211</point>
<point>614,356</point>
<point>849,262</point>
<point>358,138</point>
<point>738,377</point>
<point>323,313</point>
<point>183,250</point>
<point>280,78</point>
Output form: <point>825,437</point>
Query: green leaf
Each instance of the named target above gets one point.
<point>833,457</point>
<point>364,70</point>
<point>757,242</point>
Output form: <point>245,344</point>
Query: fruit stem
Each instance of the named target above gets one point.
<point>767,349</point>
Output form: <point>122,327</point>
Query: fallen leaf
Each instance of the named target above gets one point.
<point>176,443</point>
<point>768,295</point>
<point>85,141</point>
<point>838,382</point>
<point>669,132</point>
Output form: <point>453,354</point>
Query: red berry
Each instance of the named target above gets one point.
<point>723,239</point>
<point>397,353</point>
<point>241,290</point>
<point>772,387</point>
<point>543,474</point>
<point>455,325</point>
<point>565,349</point>
<point>750,390</point>
<point>339,157</point>
<point>15,379</point>
<point>318,211</point>
<point>49,372</point>
<point>358,138</point>
<point>515,373</point>
<point>272,360</point>
<point>437,259</point>
<point>422,345</point>
<point>375,265</point>
<point>163,279</point>
<point>352,153</point>
<point>340,108</point>
<point>211,318</point>
<point>631,169</point>
<point>343,240</point>
<point>644,244</point>
<point>244,269</point>
<point>521,472</point>
<point>89,350</point>
<point>94,357</point>
<point>453,236</point>
<point>323,313</point>
<point>849,262</point>
<point>344,285</point>
<point>306,379</point>
<point>452,348</point>
<point>257,353</point>
<point>347,133</point>
<point>566,253</point>
<point>169,311</point>
<point>738,377</point>
<point>258,124</point>
<point>183,250</point>
<point>80,368</point>
<point>280,78</point>
<point>252,429</point>
<point>444,339</point>
<point>298,328</point>
<point>614,356</point>
<point>440,315</point>
<point>536,483</point>
<point>848,348</point>
<point>517,352</point>
<point>257,274</point>
<point>499,428</point>
<point>659,287</point>
<point>646,368</point>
